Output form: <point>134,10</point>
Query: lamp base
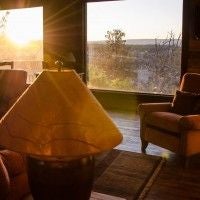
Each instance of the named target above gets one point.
<point>60,180</point>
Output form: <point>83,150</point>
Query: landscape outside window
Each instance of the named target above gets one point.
<point>21,39</point>
<point>134,45</point>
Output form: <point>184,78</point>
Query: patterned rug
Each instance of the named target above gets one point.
<point>126,174</point>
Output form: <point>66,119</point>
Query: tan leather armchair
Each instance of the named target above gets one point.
<point>176,132</point>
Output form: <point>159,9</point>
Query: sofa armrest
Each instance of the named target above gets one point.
<point>153,107</point>
<point>190,122</point>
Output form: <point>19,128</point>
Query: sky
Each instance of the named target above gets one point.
<point>139,19</point>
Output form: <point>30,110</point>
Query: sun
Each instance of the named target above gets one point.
<point>25,25</point>
<point>19,39</point>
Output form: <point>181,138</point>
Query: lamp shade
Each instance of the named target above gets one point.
<point>58,116</point>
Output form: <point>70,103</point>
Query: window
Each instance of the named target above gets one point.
<point>134,45</point>
<point>21,39</point>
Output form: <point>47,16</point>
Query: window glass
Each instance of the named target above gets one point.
<point>21,39</point>
<point>134,45</point>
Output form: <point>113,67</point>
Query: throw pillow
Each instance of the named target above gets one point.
<point>183,102</point>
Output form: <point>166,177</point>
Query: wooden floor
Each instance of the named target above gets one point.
<point>175,182</point>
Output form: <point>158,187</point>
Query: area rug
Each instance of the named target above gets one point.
<point>126,174</point>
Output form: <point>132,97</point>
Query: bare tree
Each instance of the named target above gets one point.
<point>3,21</point>
<point>163,63</point>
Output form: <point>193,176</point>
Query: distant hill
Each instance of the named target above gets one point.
<point>133,41</point>
<point>142,41</point>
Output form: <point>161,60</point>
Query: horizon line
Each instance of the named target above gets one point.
<point>135,39</point>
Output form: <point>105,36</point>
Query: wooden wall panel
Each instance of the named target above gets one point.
<point>64,30</point>
<point>191,36</point>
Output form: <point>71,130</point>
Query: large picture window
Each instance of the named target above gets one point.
<point>134,45</point>
<point>21,39</point>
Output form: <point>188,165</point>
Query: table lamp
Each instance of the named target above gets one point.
<point>60,126</point>
<point>66,61</point>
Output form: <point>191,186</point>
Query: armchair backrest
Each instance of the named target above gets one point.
<point>190,83</point>
<point>12,85</point>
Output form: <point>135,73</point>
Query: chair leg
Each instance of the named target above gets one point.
<point>144,145</point>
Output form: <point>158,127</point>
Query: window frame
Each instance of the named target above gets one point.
<point>184,54</point>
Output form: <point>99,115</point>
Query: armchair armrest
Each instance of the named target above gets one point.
<point>154,107</point>
<point>14,162</point>
<point>15,171</point>
<point>190,122</point>
<point>4,181</point>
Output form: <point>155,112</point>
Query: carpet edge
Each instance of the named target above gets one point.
<point>151,180</point>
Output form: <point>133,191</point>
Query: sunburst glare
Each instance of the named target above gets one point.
<point>24,26</point>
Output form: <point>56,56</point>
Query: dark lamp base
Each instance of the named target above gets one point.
<point>61,180</point>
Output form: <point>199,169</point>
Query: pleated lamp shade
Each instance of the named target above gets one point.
<point>57,116</point>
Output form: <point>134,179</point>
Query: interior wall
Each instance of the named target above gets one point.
<point>127,101</point>
<point>63,30</point>
<point>191,36</point>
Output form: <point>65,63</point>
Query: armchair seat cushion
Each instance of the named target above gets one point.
<point>165,121</point>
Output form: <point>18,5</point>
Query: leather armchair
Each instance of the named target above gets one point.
<point>12,85</point>
<point>174,131</point>
<point>13,177</point>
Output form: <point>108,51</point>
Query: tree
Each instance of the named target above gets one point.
<point>109,63</point>
<point>116,57</point>
<point>115,41</point>
<point>3,21</point>
<point>163,62</point>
